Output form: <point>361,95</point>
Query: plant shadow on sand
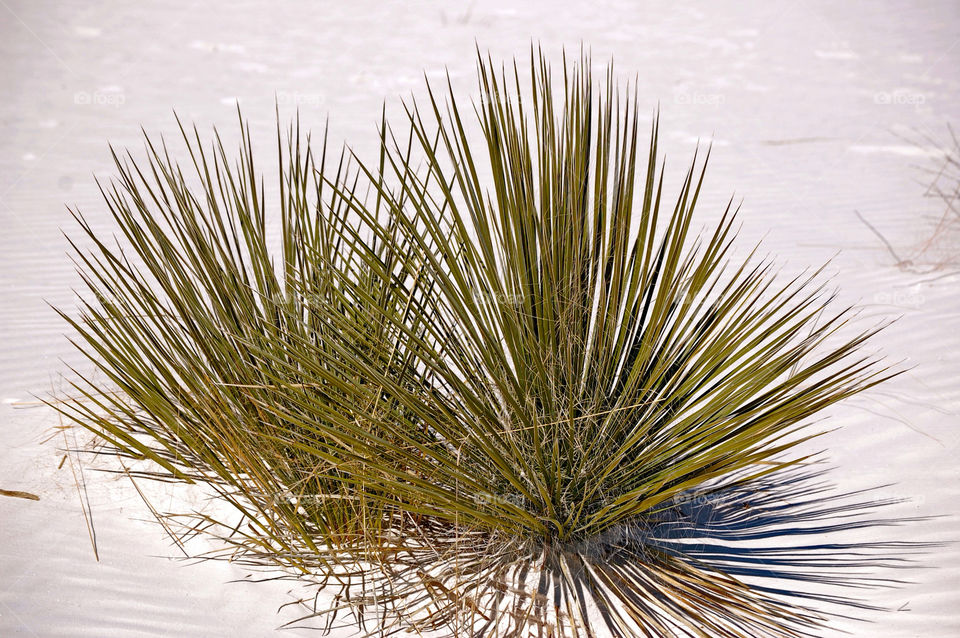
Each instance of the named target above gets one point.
<point>780,548</point>
<point>786,530</point>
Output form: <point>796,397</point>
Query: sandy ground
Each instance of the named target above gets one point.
<point>806,103</point>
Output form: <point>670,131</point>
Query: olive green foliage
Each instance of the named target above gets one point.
<point>471,380</point>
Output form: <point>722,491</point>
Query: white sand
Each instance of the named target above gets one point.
<point>804,100</point>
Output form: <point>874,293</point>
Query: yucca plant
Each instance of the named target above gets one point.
<point>477,380</point>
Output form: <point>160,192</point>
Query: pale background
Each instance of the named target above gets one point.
<point>807,103</point>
